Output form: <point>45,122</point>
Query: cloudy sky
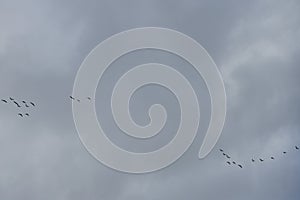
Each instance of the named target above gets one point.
<point>255,44</point>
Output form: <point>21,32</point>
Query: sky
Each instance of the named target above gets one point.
<point>255,44</point>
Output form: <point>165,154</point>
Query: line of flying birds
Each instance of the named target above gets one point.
<point>22,104</point>
<point>78,100</point>
<point>28,104</point>
<point>231,162</point>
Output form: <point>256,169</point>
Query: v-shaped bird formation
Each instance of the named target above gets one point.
<point>231,162</point>
<point>23,107</point>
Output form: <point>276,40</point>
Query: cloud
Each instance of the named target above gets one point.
<point>255,44</point>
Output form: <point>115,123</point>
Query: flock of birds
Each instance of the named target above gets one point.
<point>28,104</point>
<point>20,106</point>
<point>78,100</point>
<point>23,107</point>
<point>231,162</point>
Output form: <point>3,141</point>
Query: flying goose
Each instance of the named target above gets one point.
<point>17,104</point>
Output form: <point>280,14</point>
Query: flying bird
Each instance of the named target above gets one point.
<point>89,98</point>
<point>17,104</point>
<point>221,150</point>
<point>240,166</point>
<point>26,105</point>
<point>78,100</point>
<point>23,101</point>
<point>233,162</point>
<point>3,100</point>
<point>284,152</point>
<point>253,160</point>
<point>227,156</point>
<point>33,104</point>
<point>296,147</point>
<point>72,98</point>
<point>27,114</point>
<point>228,163</point>
<point>20,114</point>
<point>224,154</point>
<point>11,98</point>
<point>261,160</point>
<point>272,158</point>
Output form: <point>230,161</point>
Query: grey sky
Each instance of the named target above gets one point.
<point>255,44</point>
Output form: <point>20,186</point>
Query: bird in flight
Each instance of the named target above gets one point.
<point>228,163</point>
<point>221,150</point>
<point>227,156</point>
<point>17,104</point>
<point>33,104</point>
<point>240,166</point>
<point>89,98</point>
<point>3,100</point>
<point>72,98</point>
<point>23,101</point>
<point>296,147</point>
<point>284,152</point>
<point>20,114</point>
<point>261,160</point>
<point>272,158</point>
<point>233,162</point>
<point>11,98</point>
<point>253,160</point>
<point>27,114</point>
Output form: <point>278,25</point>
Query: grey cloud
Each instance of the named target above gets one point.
<point>255,44</point>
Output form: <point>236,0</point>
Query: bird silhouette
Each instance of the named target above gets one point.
<point>18,105</point>
<point>227,156</point>
<point>221,150</point>
<point>3,100</point>
<point>26,105</point>
<point>228,163</point>
<point>23,101</point>
<point>272,158</point>
<point>89,98</point>
<point>261,160</point>
<point>20,114</point>
<point>33,104</point>
<point>78,100</point>
<point>240,166</point>
<point>253,160</point>
<point>233,162</point>
<point>11,98</point>
<point>27,114</point>
<point>224,154</point>
<point>72,98</point>
<point>284,152</point>
<point>296,147</point>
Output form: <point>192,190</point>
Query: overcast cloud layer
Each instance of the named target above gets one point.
<point>255,44</point>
